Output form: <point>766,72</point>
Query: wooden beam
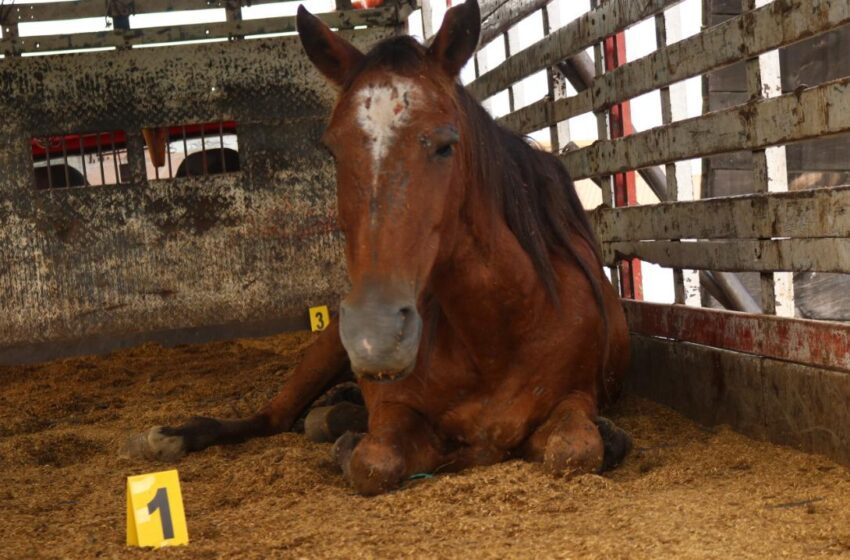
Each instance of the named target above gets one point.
<point>736,255</point>
<point>819,343</point>
<point>574,37</point>
<point>810,213</point>
<point>810,113</point>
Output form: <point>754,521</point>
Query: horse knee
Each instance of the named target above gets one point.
<point>576,448</point>
<point>375,467</point>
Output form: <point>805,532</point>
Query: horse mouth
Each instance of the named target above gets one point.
<point>385,376</point>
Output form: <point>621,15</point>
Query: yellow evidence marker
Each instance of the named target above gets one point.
<point>319,318</point>
<point>155,515</point>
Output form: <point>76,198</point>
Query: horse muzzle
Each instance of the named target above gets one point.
<point>381,336</point>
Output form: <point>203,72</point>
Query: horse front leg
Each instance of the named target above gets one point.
<point>399,444</point>
<point>325,363</point>
<point>575,440</point>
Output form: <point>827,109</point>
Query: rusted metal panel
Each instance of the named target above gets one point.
<point>790,404</point>
<point>817,343</point>
<point>257,246</point>
<point>814,112</point>
<point>780,23</point>
<point>756,255</point>
<point>811,213</point>
<point>384,16</point>
<point>574,37</point>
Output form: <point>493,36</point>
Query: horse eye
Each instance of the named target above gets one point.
<point>445,151</point>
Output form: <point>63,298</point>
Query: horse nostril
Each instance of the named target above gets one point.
<point>406,314</point>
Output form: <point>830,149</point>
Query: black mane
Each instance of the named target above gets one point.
<point>530,187</point>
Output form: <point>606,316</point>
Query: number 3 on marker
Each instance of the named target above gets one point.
<point>155,515</point>
<point>319,318</point>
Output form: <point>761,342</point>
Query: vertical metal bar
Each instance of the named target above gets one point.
<point>625,188</point>
<point>602,133</point>
<point>204,150</point>
<point>769,170</point>
<point>49,170</point>
<point>559,132</point>
<point>670,169</point>
<point>155,168</point>
<point>114,157</point>
<point>168,152</point>
<point>511,102</point>
<point>185,151</point>
<point>100,160</point>
<point>83,161</point>
<point>65,159</point>
<point>221,146</point>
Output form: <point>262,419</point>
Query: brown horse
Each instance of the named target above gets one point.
<point>480,325</point>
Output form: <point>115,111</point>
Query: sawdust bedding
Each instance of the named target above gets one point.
<point>685,492</point>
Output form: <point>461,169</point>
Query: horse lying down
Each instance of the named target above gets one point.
<point>480,325</point>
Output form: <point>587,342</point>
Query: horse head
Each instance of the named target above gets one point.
<point>397,136</point>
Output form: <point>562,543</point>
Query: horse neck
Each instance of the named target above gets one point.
<point>486,285</point>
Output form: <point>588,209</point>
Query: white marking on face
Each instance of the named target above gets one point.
<point>381,111</point>
<point>367,346</point>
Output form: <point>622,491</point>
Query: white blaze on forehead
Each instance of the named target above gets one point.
<point>381,111</point>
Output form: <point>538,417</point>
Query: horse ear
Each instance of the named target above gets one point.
<point>332,55</point>
<point>457,38</point>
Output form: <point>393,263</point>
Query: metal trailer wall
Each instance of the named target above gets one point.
<point>96,268</point>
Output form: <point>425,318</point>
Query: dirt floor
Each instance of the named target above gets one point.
<point>686,491</point>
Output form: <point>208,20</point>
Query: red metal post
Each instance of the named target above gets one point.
<point>625,189</point>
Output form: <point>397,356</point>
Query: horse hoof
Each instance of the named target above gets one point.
<point>342,450</point>
<point>327,423</point>
<point>616,441</point>
<point>154,445</point>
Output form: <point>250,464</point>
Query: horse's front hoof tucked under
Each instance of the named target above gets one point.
<point>154,445</point>
<point>574,453</point>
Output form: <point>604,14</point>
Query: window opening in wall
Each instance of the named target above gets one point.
<point>191,150</point>
<point>79,160</point>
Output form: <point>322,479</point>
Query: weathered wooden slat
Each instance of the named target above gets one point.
<point>497,16</point>
<point>753,33</point>
<point>810,213</point>
<point>790,404</point>
<point>574,37</point>
<point>342,20</point>
<point>819,343</point>
<point>544,112</point>
<point>810,113</point>
<point>795,255</point>
<point>51,11</point>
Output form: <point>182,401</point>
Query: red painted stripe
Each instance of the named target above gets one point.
<point>89,141</point>
<point>625,188</point>
<point>817,343</point>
